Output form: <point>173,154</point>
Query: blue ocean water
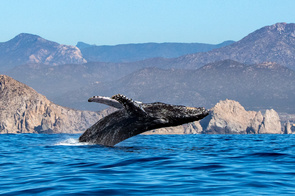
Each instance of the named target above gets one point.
<point>148,165</point>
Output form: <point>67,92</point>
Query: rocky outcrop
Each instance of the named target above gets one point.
<point>230,117</point>
<point>271,123</point>
<point>227,117</point>
<point>287,128</point>
<point>255,124</point>
<point>23,110</point>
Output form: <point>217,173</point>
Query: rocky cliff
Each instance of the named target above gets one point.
<point>289,128</point>
<point>271,123</point>
<point>23,110</point>
<point>230,117</point>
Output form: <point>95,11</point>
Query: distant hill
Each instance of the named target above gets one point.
<point>28,48</point>
<point>257,87</point>
<point>137,52</point>
<point>82,45</point>
<point>275,43</point>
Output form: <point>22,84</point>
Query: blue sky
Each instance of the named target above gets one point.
<point>110,22</point>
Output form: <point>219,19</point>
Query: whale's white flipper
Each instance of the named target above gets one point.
<point>106,100</point>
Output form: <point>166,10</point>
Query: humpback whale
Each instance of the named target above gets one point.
<point>134,117</point>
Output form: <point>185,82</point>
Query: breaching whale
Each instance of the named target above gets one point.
<point>134,117</point>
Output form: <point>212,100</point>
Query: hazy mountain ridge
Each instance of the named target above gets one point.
<point>31,49</point>
<point>275,43</point>
<point>137,52</point>
<point>27,48</point>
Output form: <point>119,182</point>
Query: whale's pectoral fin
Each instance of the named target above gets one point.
<point>132,107</point>
<point>106,100</point>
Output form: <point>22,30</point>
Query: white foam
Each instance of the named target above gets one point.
<point>71,142</point>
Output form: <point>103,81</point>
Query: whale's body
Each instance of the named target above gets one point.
<point>134,117</point>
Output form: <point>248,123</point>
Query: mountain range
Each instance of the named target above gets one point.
<point>275,43</point>
<point>138,52</point>
<point>32,49</point>
<point>257,71</point>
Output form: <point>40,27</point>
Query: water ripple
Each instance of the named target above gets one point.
<point>149,165</point>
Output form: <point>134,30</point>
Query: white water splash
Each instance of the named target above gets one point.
<point>71,142</point>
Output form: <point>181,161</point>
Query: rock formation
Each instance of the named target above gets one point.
<point>271,123</point>
<point>230,117</point>
<point>23,110</point>
<point>287,128</point>
<point>227,117</point>
<point>255,124</point>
